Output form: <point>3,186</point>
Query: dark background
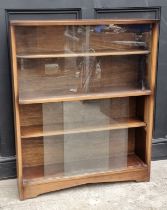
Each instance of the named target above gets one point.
<point>77,9</point>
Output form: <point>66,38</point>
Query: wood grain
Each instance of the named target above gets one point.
<point>149,114</point>
<point>113,94</point>
<point>34,175</point>
<point>70,41</point>
<point>95,115</point>
<point>136,174</point>
<point>117,73</point>
<point>136,171</point>
<point>65,55</point>
<point>44,151</point>
<point>81,22</point>
<point>37,131</point>
<point>16,111</point>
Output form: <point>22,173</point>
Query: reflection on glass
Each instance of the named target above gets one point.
<point>92,152</point>
<point>80,116</point>
<point>86,152</point>
<point>74,138</point>
<point>76,59</point>
<point>76,154</point>
<point>81,75</point>
<point>77,39</point>
<point>86,136</point>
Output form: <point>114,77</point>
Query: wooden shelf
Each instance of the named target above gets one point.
<point>37,131</point>
<point>36,174</point>
<point>122,92</point>
<point>85,54</point>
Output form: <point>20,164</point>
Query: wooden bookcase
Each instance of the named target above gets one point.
<point>83,101</point>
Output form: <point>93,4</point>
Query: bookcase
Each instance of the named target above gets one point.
<point>83,94</point>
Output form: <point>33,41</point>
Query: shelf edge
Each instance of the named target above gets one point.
<point>115,126</point>
<point>62,55</point>
<point>86,97</point>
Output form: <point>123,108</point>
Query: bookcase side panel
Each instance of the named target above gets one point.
<point>16,110</point>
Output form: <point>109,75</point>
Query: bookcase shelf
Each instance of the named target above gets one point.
<point>90,96</point>
<point>83,95</point>
<point>84,54</point>
<point>33,175</point>
<point>37,131</point>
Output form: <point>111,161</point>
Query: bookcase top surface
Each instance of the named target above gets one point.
<point>81,22</point>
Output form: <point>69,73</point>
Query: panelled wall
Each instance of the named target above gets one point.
<point>77,9</point>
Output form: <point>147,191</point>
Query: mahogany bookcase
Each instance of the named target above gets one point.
<point>83,93</point>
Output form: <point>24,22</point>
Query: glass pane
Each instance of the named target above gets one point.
<point>81,60</point>
<point>42,78</point>
<point>81,136</point>
<point>80,116</point>
<point>92,152</point>
<point>74,138</point>
<point>79,154</point>
<point>76,39</point>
